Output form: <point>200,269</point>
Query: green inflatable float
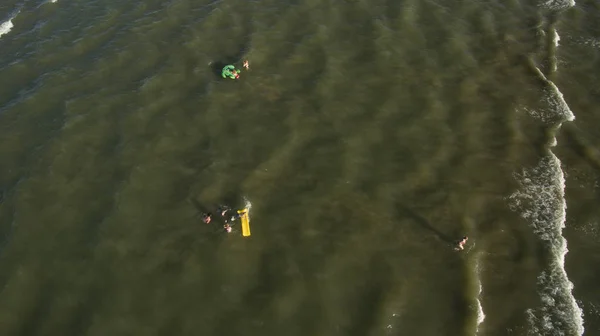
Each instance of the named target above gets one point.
<point>229,71</point>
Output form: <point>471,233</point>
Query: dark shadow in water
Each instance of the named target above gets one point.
<point>216,68</point>
<point>216,216</point>
<point>38,312</point>
<point>82,318</point>
<point>372,297</point>
<point>426,225</point>
<point>574,139</point>
<point>236,59</point>
<point>199,207</point>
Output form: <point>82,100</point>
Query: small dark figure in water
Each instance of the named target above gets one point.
<point>236,216</point>
<point>206,218</point>
<point>223,210</point>
<point>461,244</point>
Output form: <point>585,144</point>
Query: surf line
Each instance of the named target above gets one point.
<point>541,200</point>
<point>475,284</point>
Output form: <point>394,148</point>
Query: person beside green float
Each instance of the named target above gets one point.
<point>229,71</point>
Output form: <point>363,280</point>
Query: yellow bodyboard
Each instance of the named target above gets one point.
<point>245,219</point>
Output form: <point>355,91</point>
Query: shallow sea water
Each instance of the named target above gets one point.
<point>367,136</point>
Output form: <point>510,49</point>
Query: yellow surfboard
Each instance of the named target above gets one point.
<point>245,222</point>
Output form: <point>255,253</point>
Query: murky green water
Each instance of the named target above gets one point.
<point>368,137</point>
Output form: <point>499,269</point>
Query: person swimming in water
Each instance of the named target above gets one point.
<point>246,65</point>
<point>223,210</point>
<point>237,215</point>
<point>227,227</point>
<point>207,217</point>
<point>461,244</point>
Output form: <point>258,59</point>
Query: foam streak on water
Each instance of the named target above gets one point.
<point>6,26</point>
<point>480,313</point>
<point>558,4</point>
<point>541,200</point>
<point>556,100</point>
<point>560,104</point>
<point>247,204</point>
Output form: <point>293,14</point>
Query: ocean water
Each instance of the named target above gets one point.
<point>367,137</point>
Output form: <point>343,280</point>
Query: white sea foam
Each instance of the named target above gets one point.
<point>558,102</point>
<point>6,26</point>
<point>593,309</point>
<point>591,42</point>
<point>558,4</point>
<point>247,204</point>
<point>395,309</point>
<point>540,199</point>
<point>480,313</point>
<point>591,229</point>
<point>586,41</point>
<point>555,39</point>
<point>556,110</point>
